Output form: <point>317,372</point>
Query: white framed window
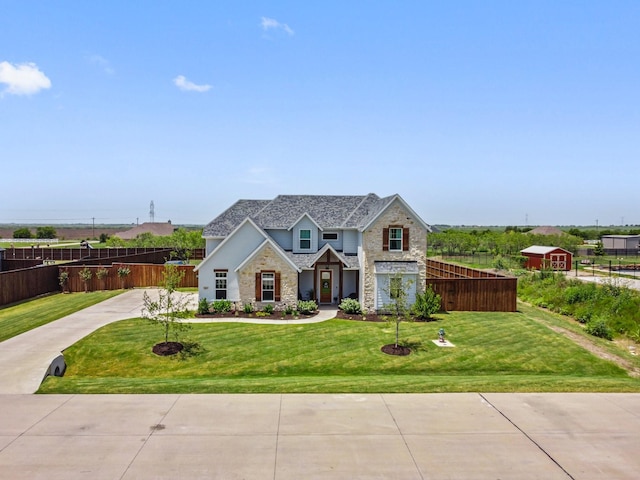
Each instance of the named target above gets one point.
<point>221,284</point>
<point>395,239</point>
<point>268,287</point>
<point>329,236</point>
<point>305,239</point>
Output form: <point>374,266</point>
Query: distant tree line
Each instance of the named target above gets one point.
<point>182,241</point>
<point>41,233</point>
<point>509,242</point>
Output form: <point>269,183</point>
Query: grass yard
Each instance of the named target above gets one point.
<point>495,352</point>
<point>17,319</point>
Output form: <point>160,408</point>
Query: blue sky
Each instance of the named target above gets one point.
<point>475,112</point>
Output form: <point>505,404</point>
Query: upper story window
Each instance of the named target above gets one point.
<point>329,236</point>
<point>395,239</point>
<point>221,284</point>
<point>305,239</point>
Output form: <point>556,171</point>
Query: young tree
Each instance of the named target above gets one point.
<point>123,273</point>
<point>398,293</point>
<point>101,274</point>
<point>85,276</point>
<point>168,309</point>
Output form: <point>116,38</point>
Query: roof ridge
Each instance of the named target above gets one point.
<point>364,199</point>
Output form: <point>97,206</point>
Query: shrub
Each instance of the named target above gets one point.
<point>426,303</point>
<point>203,306</point>
<point>288,309</point>
<point>351,306</point>
<point>306,307</point>
<point>247,308</point>
<point>221,306</point>
<point>268,308</point>
<point>599,328</point>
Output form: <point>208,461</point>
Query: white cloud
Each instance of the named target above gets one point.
<point>259,176</point>
<point>22,79</point>
<point>102,63</point>
<point>270,23</point>
<point>183,84</point>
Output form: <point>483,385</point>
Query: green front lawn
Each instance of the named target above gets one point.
<point>25,316</point>
<point>496,352</point>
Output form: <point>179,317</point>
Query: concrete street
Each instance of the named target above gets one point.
<point>415,436</point>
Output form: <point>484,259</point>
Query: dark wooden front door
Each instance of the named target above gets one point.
<point>325,286</point>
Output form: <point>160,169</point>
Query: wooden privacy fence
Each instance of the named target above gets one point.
<point>19,285</point>
<point>468,289</point>
<point>146,271</point>
<point>68,254</point>
<point>141,275</point>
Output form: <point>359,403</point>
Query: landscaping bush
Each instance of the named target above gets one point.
<point>247,308</point>
<point>426,303</point>
<point>307,307</point>
<point>268,308</point>
<point>221,306</point>
<point>599,328</point>
<point>350,306</point>
<point>203,306</point>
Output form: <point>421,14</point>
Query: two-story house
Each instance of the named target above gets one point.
<point>320,247</point>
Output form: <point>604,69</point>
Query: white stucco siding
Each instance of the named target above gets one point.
<point>211,244</point>
<point>228,256</point>
<point>350,241</point>
<point>335,244</point>
<point>284,238</point>
<point>409,281</point>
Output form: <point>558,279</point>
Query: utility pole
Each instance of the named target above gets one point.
<point>93,227</point>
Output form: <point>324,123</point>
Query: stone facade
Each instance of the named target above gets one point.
<point>372,249</point>
<point>268,259</point>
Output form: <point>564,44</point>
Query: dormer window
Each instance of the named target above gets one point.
<point>395,239</point>
<point>305,239</point>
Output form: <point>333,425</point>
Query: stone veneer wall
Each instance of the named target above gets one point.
<point>372,249</point>
<point>268,259</point>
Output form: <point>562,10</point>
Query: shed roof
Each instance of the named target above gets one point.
<point>541,250</point>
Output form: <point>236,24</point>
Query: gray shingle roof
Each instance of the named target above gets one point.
<point>328,211</point>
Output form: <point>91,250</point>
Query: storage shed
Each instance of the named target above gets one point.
<point>621,242</point>
<point>555,258</point>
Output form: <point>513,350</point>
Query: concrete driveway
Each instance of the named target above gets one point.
<point>26,358</point>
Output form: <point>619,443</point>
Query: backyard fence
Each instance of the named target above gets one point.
<point>146,269</point>
<point>467,289</point>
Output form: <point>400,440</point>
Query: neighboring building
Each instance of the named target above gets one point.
<point>159,229</point>
<point>317,247</point>
<point>621,242</point>
<point>555,258</point>
<point>546,231</point>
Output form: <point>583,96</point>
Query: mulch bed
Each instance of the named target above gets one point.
<point>392,349</point>
<point>165,349</point>
<point>240,314</point>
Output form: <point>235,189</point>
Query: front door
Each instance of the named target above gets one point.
<point>325,286</point>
